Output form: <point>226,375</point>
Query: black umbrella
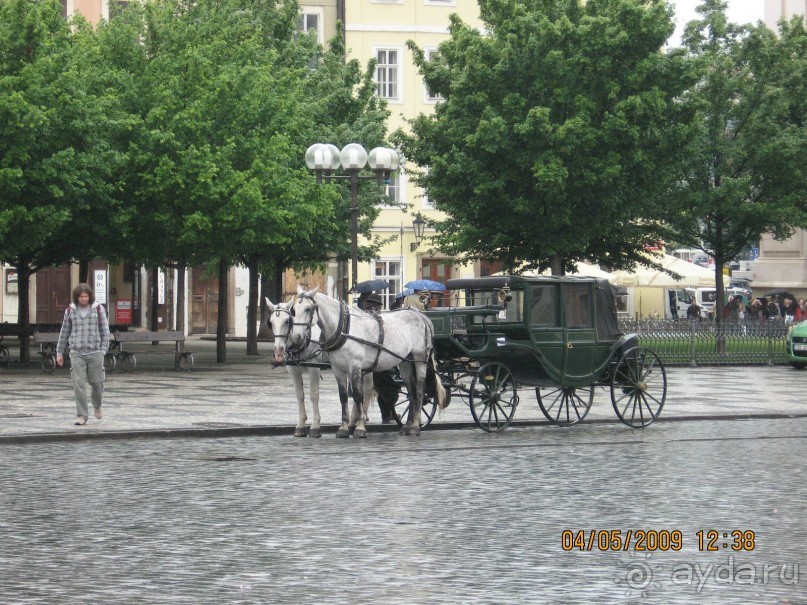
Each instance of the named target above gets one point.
<point>780,292</point>
<point>371,285</point>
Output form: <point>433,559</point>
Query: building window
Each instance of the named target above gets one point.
<point>388,73</point>
<point>431,54</point>
<point>441,2</point>
<point>389,270</point>
<point>310,19</point>
<point>394,189</point>
<point>426,203</point>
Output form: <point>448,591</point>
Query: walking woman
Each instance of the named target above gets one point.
<point>85,334</point>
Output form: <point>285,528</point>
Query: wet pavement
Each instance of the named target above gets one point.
<point>457,516</point>
<point>130,510</point>
<point>248,396</point>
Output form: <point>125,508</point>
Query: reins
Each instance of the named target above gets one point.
<point>342,334</point>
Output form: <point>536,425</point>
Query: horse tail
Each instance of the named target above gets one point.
<point>439,390</point>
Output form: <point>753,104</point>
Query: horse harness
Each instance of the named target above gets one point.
<point>342,334</point>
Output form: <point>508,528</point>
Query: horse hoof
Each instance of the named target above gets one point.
<point>360,433</point>
<point>300,432</point>
<point>408,431</point>
<point>342,434</point>
<point>315,433</point>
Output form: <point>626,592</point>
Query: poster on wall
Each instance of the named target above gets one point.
<point>160,287</point>
<point>100,286</point>
<point>11,281</point>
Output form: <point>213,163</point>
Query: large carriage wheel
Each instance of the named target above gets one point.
<point>427,410</point>
<point>493,397</point>
<point>639,387</point>
<point>565,406</point>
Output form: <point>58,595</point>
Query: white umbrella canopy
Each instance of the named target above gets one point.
<point>645,277</point>
<point>583,270</point>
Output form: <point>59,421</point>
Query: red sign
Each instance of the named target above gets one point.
<point>123,312</point>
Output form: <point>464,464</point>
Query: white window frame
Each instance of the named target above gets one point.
<point>398,98</point>
<point>427,98</point>
<point>319,12</point>
<point>388,296</point>
<point>425,202</point>
<point>440,2</point>
<point>400,175</point>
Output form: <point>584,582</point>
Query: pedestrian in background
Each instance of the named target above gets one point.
<point>85,334</point>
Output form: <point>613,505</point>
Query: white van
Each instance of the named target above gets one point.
<point>677,303</point>
<point>705,298</point>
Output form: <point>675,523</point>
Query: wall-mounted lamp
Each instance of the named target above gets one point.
<point>419,225</point>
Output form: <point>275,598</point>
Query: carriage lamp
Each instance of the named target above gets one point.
<point>324,159</point>
<point>419,225</point>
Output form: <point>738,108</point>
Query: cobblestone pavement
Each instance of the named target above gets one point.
<point>248,396</point>
<point>454,517</point>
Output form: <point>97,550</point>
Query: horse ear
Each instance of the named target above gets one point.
<point>314,290</point>
<point>269,303</point>
<point>300,289</point>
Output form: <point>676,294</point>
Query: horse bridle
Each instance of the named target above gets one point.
<point>342,328</point>
<point>291,349</point>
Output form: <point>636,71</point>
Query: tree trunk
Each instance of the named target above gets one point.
<point>23,304</point>
<point>83,271</point>
<point>252,306</point>
<point>556,264</point>
<point>720,321</point>
<point>263,330</point>
<point>155,285</point>
<point>181,298</point>
<point>221,324</point>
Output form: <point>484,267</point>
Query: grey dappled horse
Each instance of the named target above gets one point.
<point>281,322</point>
<point>359,344</point>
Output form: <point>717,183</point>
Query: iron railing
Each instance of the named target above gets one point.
<point>685,342</point>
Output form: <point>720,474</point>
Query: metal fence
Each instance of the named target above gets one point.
<point>694,343</point>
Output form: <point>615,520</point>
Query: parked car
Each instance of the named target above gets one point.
<point>797,345</point>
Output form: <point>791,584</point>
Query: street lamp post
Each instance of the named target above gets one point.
<point>324,158</point>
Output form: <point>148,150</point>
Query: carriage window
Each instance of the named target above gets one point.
<point>578,306</point>
<point>544,306</point>
<point>515,308</point>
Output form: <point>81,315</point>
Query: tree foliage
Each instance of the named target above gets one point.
<point>554,132</point>
<point>743,173</point>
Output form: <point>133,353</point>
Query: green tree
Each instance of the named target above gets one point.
<point>743,171</point>
<point>227,110</point>
<point>554,131</point>
<point>58,160</point>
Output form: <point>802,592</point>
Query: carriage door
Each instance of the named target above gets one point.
<point>579,334</point>
<point>546,330</point>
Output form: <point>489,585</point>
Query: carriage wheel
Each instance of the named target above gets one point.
<point>492,397</point>
<point>427,411</point>
<point>639,387</point>
<point>110,362</point>
<point>3,356</point>
<point>565,406</point>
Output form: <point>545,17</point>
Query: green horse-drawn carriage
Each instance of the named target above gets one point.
<point>558,335</point>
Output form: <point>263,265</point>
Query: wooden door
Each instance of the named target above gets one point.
<point>52,294</point>
<point>204,302</point>
<point>437,271</point>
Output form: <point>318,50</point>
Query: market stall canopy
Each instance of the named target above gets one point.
<point>583,270</point>
<point>645,277</point>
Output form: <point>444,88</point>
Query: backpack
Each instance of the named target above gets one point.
<point>69,312</point>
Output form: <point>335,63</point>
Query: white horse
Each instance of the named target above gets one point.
<point>359,344</point>
<point>280,321</point>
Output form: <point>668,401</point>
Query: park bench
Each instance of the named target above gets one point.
<point>127,358</point>
<point>47,350</point>
<point>7,329</point>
